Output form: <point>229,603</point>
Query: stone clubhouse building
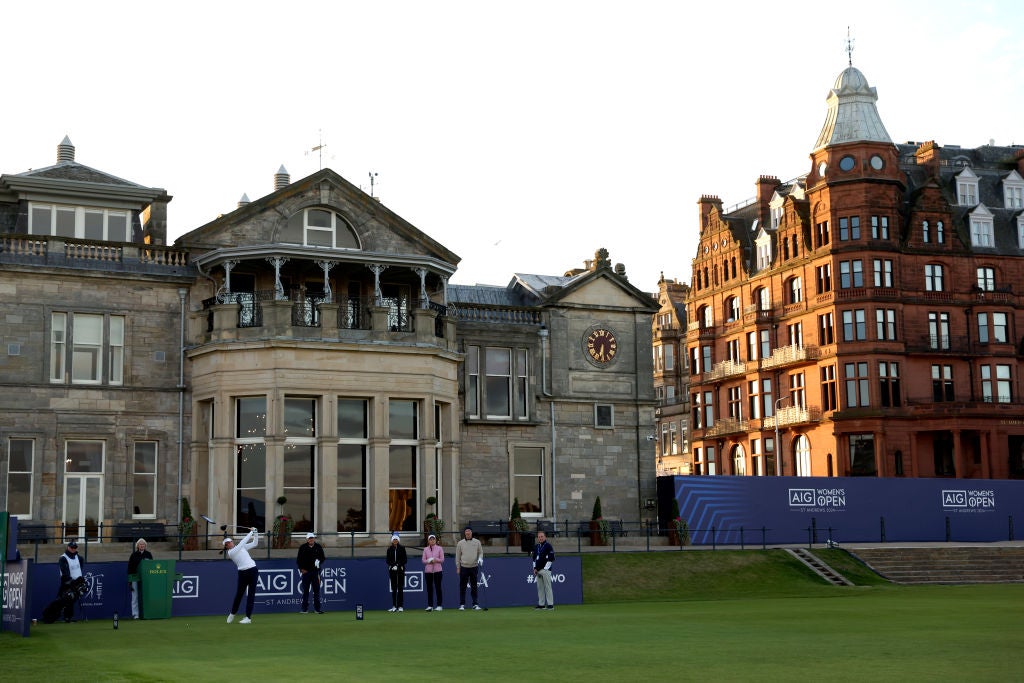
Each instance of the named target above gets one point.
<point>307,347</point>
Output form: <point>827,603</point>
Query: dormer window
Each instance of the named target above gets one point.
<point>967,188</point>
<point>1013,191</point>
<point>982,231</point>
<point>319,227</point>
<point>1020,231</point>
<point>78,222</point>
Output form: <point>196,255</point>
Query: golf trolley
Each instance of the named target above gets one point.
<point>70,594</point>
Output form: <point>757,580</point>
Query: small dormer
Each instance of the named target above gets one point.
<point>967,187</point>
<point>1013,191</point>
<point>982,228</point>
<point>777,209</point>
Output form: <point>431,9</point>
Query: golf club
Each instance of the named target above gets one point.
<point>225,527</point>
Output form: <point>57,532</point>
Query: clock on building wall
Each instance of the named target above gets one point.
<point>600,345</point>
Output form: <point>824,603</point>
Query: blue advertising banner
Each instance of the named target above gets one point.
<point>731,510</point>
<point>17,598</point>
<point>207,586</point>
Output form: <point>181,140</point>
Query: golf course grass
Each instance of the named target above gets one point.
<point>707,616</point>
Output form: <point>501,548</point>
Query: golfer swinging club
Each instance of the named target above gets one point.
<point>247,573</point>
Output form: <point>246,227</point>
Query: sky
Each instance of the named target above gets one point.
<point>522,136</point>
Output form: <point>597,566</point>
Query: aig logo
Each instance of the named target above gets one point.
<point>954,499</point>
<point>186,587</point>
<point>801,497</point>
<point>275,582</point>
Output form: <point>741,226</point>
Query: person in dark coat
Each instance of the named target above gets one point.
<point>138,555</point>
<point>311,556</point>
<point>72,571</point>
<point>396,558</point>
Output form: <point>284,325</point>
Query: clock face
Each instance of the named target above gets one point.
<point>601,345</point>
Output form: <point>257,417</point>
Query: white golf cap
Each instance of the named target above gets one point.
<point>310,535</point>
<point>226,541</point>
<point>394,537</point>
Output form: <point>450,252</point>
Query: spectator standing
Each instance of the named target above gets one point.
<point>469,557</point>
<point>71,568</point>
<point>138,555</point>
<point>397,559</point>
<point>543,558</point>
<point>311,556</point>
<point>433,564</point>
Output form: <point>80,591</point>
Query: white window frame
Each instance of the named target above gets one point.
<point>20,514</point>
<point>542,477</point>
<point>71,348</point>
<point>982,228</point>
<point>934,277</point>
<point>986,278</point>
<point>1013,191</point>
<point>137,476</point>
<point>967,188</point>
<point>363,443</point>
<point>50,226</point>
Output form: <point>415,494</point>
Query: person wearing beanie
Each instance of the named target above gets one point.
<point>239,554</point>
<point>469,557</point>
<point>396,558</point>
<point>433,563</point>
<point>311,556</point>
<point>134,560</point>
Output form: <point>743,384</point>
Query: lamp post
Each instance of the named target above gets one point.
<point>778,443</point>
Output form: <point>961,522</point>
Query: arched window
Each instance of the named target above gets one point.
<point>732,309</point>
<point>795,289</point>
<point>802,450</point>
<point>763,299</point>
<point>739,461</point>
<point>705,316</point>
<point>319,227</point>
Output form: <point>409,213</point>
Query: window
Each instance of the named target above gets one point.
<point>933,277</point>
<point>823,275</point>
<point>739,461</point>
<point>982,231</point>
<point>942,383</point>
<point>829,391</point>
<point>821,234</point>
<point>938,329</point>
<point>706,360</point>
<point>251,462</point>
<point>998,391</point>
<point>505,384</point>
<point>79,223</point>
<point>1000,329</point>
<point>732,309</point>
<point>752,345</point>
<point>929,234</point>
<point>826,329</point>
<point>879,227</point>
<point>777,212</point>
<point>528,479</point>
<point>84,336</point>
<point>862,455</point>
<point>732,350</point>
<point>763,299</point>
<point>604,415</point>
<point>854,325</point>
<point>983,328</point>
<point>885,324</point>
<point>851,274</point>
<point>889,384</point>
<point>669,352</point>
<point>849,228</point>
<point>967,188</point>
<point>353,432</point>
<point>766,344</point>
<point>754,398</point>
<point>20,462</point>
<point>883,272</point>
<point>144,480</point>
<point>802,449</point>
<point>764,254</point>
<point>403,429</point>
<point>299,467</point>
<point>319,228</point>
<point>706,405</point>
<point>706,317</point>
<point>735,405</point>
<point>797,391</point>
<point>795,290</point>
<point>695,366</point>
<point>986,279</point>
<point>856,377</point>
<point>940,234</point>
<point>795,248</point>
<point>1013,191</point>
<point>795,334</point>
<point>757,466</point>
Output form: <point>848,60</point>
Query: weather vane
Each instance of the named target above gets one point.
<point>373,180</point>
<point>849,47</point>
<point>319,149</point>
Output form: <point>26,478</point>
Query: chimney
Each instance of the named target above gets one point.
<point>281,179</point>
<point>154,221</point>
<point>244,200</point>
<point>766,186</point>
<point>65,151</point>
<point>928,156</point>
<point>706,203</point>
<point>1019,156</point>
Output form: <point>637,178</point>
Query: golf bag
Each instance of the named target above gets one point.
<point>69,594</point>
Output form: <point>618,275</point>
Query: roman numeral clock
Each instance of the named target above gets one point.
<point>600,346</point>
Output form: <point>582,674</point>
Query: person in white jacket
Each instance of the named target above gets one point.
<point>239,554</point>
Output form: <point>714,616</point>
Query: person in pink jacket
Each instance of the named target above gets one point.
<point>433,564</point>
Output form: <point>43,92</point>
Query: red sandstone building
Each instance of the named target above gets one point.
<point>867,318</point>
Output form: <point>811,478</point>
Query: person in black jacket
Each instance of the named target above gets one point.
<point>138,555</point>
<point>543,558</point>
<point>396,572</point>
<point>311,556</point>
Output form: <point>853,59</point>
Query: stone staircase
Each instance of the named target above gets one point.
<point>815,564</point>
<point>949,565</point>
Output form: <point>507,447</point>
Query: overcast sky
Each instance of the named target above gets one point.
<point>522,136</point>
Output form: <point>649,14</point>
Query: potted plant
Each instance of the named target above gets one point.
<point>516,525</point>
<point>283,527</point>
<point>598,525</point>
<point>678,528</point>
<point>433,524</point>
<point>187,539</point>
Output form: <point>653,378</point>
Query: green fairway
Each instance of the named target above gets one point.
<point>952,633</point>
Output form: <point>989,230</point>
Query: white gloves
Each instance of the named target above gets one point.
<point>480,562</point>
<point>317,564</point>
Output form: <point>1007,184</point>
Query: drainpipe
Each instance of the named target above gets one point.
<point>181,394</point>
<point>544,340</point>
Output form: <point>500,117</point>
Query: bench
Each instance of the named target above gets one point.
<point>486,530</point>
<point>615,528</point>
<point>549,528</point>
<point>132,531</point>
<point>33,532</point>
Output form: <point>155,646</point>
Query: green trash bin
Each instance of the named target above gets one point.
<point>157,590</point>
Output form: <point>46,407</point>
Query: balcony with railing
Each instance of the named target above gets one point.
<point>792,415</point>
<point>724,370</point>
<point>725,426</point>
<point>788,355</point>
<point>94,255</point>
